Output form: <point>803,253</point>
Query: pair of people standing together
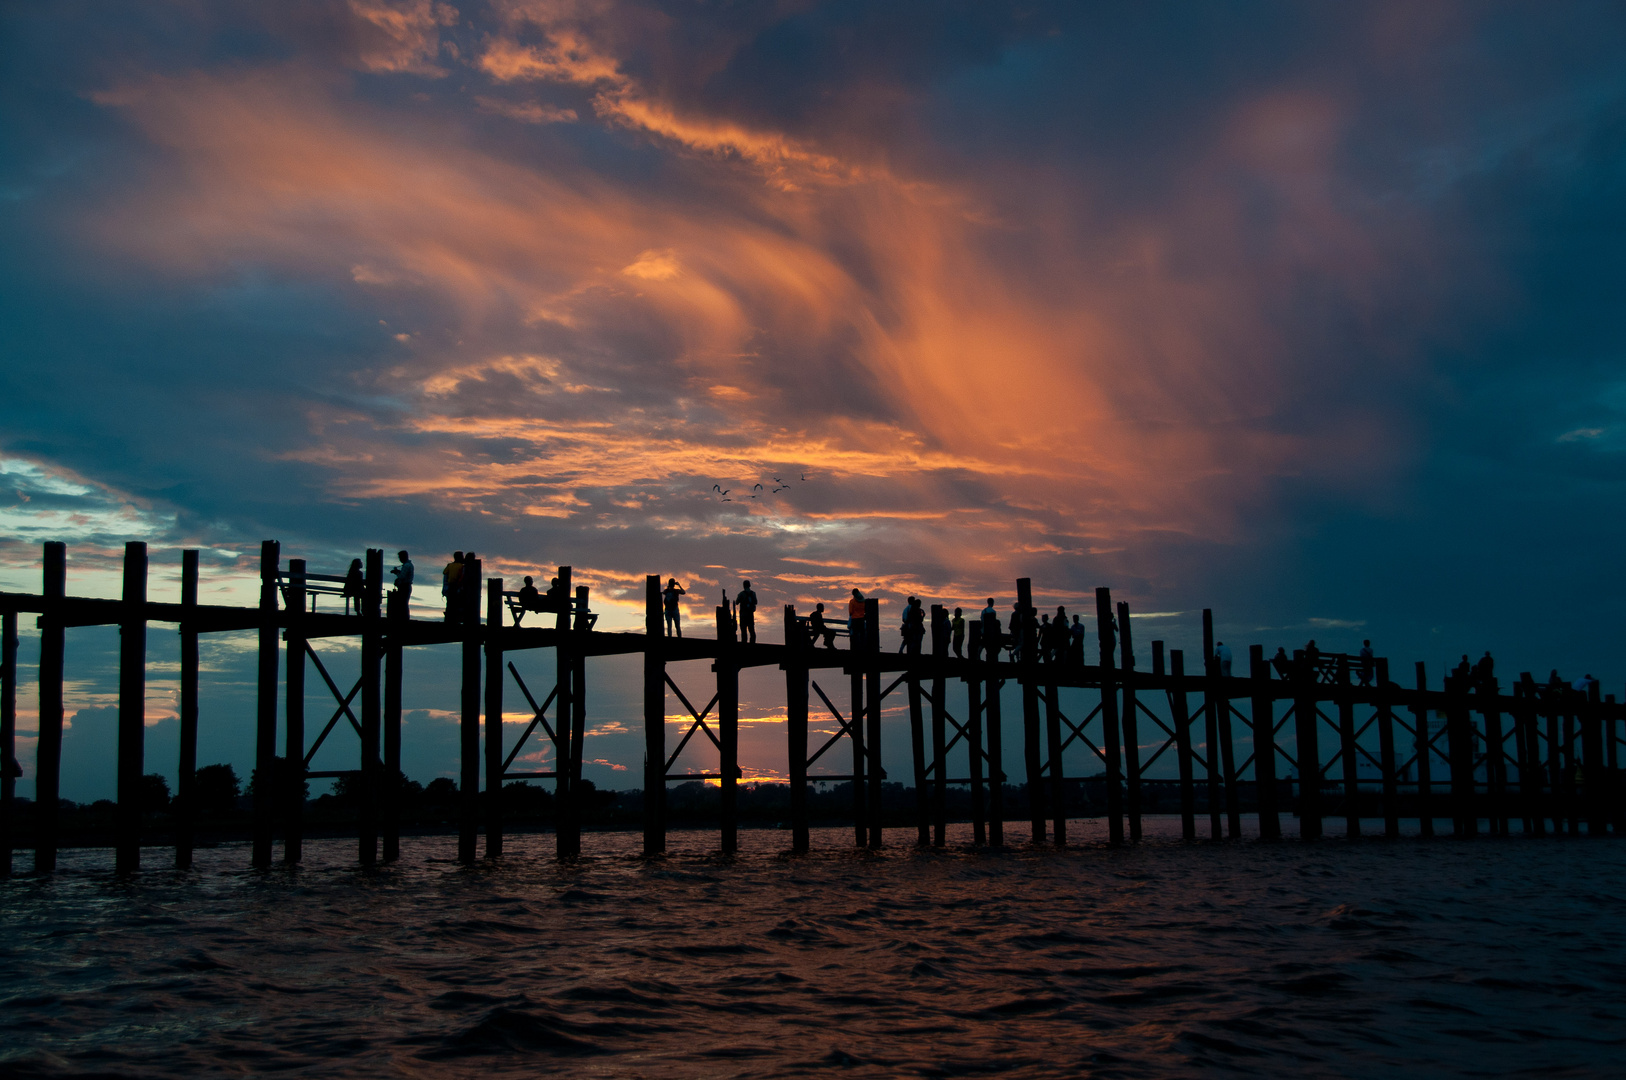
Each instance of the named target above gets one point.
<point>745,609</point>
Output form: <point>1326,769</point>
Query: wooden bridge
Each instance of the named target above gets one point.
<point>1538,754</point>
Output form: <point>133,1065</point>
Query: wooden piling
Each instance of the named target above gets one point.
<point>396,614</point>
<point>1495,759</point>
<point>48,755</point>
<point>857,646</point>
<point>1025,628</point>
<point>8,737</point>
<point>654,720</point>
<point>1460,747</point>
<point>1180,715</point>
<point>1263,721</point>
<point>917,742</point>
<point>263,786</point>
<point>728,729</point>
<point>1212,708</point>
<point>566,842</point>
<point>872,715</point>
<point>467,603</point>
<point>1227,742</point>
<point>186,780</point>
<point>578,716</point>
<point>939,787</point>
<point>1347,749</point>
<point>1131,722</point>
<point>1529,744</point>
<point>293,717</point>
<point>1592,774</point>
<point>1386,753</point>
<point>494,698</point>
<point>975,751</point>
<point>1058,777</point>
<point>996,743</point>
<point>1109,714</point>
<point>1425,765</point>
<point>372,703</point>
<point>796,677</point>
<point>1307,723</point>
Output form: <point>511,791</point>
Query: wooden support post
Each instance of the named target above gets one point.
<point>857,646</point>
<point>728,729</point>
<point>396,616</point>
<point>996,742</point>
<point>564,671</point>
<point>186,780</point>
<point>1233,790</point>
<point>263,786</point>
<point>1592,775</point>
<point>1025,629</point>
<point>1386,753</point>
<point>1572,762</point>
<point>1179,713</point>
<point>939,801</point>
<point>8,737</point>
<point>1495,759</point>
<point>48,756</point>
<point>917,741</point>
<point>293,718</point>
<point>654,720</point>
<point>372,703</point>
<point>1131,722</point>
<point>974,744</point>
<point>872,717</point>
<point>1307,722</point>
<point>1347,749</point>
<point>1058,776</point>
<point>1109,714</point>
<point>1263,722</point>
<point>1425,753</point>
<point>467,602</point>
<point>1211,718</point>
<point>796,726</point>
<point>1524,721</point>
<point>494,697</point>
<point>1460,741</point>
<point>578,716</point>
<point>1617,807</point>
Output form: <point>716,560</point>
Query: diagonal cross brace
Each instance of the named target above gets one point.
<point>536,717</point>
<point>699,722</point>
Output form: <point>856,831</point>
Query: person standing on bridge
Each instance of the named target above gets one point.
<point>669,603</point>
<point>746,605</point>
<point>355,586</point>
<point>1366,663</point>
<point>1222,653</point>
<point>403,578</point>
<point>855,620</point>
<point>957,632</point>
<point>1076,642</point>
<point>451,577</point>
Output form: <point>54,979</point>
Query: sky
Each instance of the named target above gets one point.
<point>1308,314</point>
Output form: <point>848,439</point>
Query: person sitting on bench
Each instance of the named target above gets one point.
<point>819,628</point>
<point>529,600</point>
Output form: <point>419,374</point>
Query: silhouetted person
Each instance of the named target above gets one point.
<point>669,604</point>
<point>855,619</point>
<point>1283,666</point>
<point>1222,653</point>
<point>403,577</point>
<point>1075,642</point>
<point>746,605</point>
<point>1046,639</point>
<point>990,620</point>
<point>1018,629</point>
<point>1365,670</point>
<point>940,628</point>
<point>914,626</point>
<point>1312,661</point>
<point>1485,671</point>
<point>355,586</point>
<point>957,633</point>
<point>554,596</point>
<point>820,628</point>
<point>529,600</point>
<point>450,578</point>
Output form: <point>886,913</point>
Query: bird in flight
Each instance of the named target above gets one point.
<point>756,487</point>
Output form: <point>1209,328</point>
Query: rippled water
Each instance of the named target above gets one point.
<point>1413,958</point>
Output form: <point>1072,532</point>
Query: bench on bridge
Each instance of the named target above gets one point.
<point>833,627</point>
<point>543,604</point>
<point>314,585</point>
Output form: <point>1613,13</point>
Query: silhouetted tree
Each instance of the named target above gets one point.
<point>217,789</point>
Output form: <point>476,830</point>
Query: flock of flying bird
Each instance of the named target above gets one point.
<point>780,485</point>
